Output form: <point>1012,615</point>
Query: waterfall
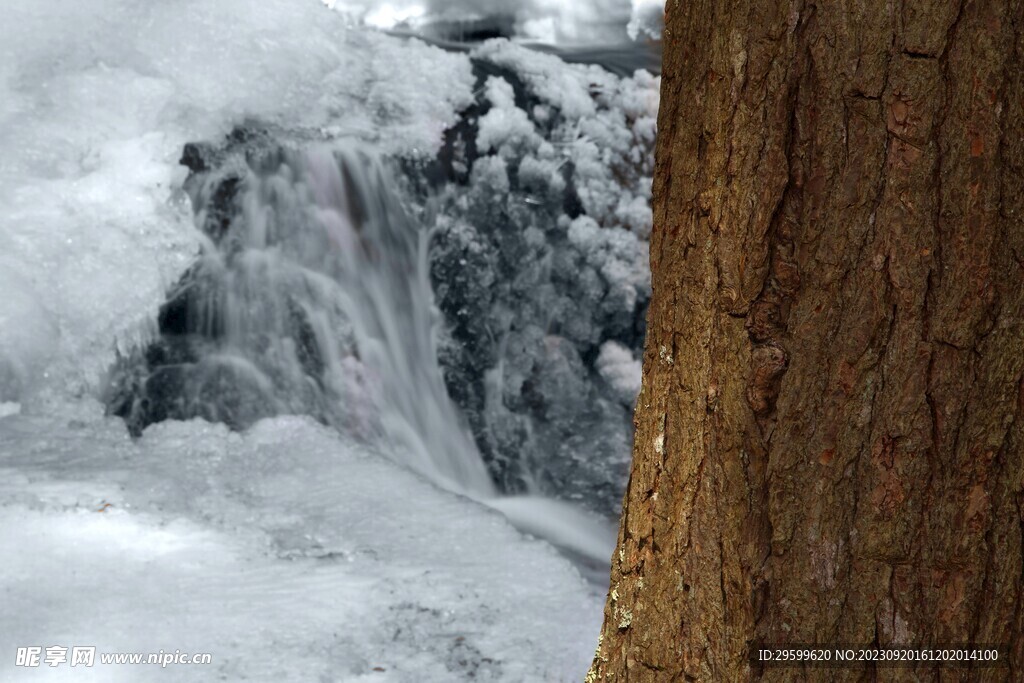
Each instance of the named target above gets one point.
<point>338,244</point>
<point>312,296</point>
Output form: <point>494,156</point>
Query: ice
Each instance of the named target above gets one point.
<point>97,99</point>
<point>288,553</point>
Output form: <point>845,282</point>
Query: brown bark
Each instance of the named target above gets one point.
<point>830,439</point>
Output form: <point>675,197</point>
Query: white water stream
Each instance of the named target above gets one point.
<point>320,289</point>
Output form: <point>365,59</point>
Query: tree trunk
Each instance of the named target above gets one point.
<point>830,439</point>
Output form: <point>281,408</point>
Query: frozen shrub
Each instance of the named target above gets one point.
<point>555,189</point>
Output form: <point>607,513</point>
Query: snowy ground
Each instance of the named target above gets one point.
<point>287,554</point>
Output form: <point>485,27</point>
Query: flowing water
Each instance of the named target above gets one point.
<point>312,296</point>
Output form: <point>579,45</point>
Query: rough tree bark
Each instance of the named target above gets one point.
<point>830,439</point>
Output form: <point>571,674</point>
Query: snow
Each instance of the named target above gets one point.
<point>607,126</point>
<point>287,553</point>
<point>539,260</point>
<point>91,139</point>
<point>619,256</point>
<point>617,366</point>
<point>505,127</point>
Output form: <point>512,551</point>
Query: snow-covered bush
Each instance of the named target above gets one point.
<point>540,266</point>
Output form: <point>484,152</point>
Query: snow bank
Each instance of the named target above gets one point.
<point>288,554</point>
<point>96,100</point>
